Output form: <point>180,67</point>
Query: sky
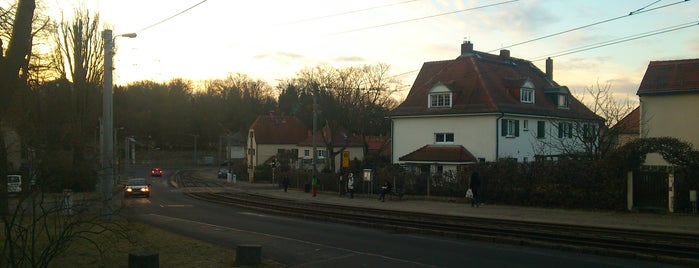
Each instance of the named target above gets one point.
<point>274,39</point>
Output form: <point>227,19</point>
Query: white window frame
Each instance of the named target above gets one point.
<point>444,138</point>
<point>526,92</point>
<point>509,128</point>
<point>440,100</point>
<point>525,125</point>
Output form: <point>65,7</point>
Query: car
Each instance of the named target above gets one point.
<point>137,186</point>
<point>156,172</point>
<point>223,173</point>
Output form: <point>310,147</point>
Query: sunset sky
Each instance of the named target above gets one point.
<point>274,39</point>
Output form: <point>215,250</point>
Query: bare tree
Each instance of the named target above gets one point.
<point>586,138</point>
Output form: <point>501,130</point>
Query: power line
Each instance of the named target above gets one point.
<point>346,13</point>
<point>422,18</point>
<point>639,11</point>
<point>619,40</point>
<point>171,17</point>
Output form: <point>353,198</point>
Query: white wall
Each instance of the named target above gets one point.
<point>674,115</point>
<point>475,133</point>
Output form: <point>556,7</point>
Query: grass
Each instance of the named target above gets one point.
<point>174,250</point>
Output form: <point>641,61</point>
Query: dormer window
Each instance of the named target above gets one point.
<point>439,97</point>
<point>526,92</point>
<point>563,101</point>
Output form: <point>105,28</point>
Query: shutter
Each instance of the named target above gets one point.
<point>503,127</point>
<point>516,128</point>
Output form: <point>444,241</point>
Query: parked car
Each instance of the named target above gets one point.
<point>156,172</point>
<point>223,173</point>
<point>137,186</point>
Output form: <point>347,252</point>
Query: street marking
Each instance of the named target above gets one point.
<point>176,206</point>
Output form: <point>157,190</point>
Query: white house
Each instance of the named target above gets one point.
<point>485,107</point>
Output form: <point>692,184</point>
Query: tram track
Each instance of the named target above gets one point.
<point>667,247</point>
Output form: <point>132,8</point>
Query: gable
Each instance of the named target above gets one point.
<point>272,129</point>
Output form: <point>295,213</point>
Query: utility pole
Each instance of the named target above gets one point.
<point>106,168</point>
<point>315,127</point>
<point>107,140</point>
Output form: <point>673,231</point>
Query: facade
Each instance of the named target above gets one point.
<point>669,94</point>
<point>268,135</point>
<point>274,139</point>
<point>485,107</point>
<point>627,129</point>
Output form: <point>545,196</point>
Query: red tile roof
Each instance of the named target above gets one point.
<point>273,129</point>
<point>487,83</point>
<point>339,140</point>
<point>630,124</point>
<point>440,153</point>
<point>667,77</point>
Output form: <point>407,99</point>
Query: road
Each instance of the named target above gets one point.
<point>296,242</point>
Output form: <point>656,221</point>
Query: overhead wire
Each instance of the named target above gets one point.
<point>619,40</point>
<point>171,17</point>
<point>346,13</point>
<point>639,11</point>
<point>422,18</point>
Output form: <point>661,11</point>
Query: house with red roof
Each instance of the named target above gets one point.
<point>271,134</point>
<point>483,107</point>
<point>669,94</point>
<point>627,129</point>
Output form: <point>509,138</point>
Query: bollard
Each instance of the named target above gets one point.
<point>693,200</point>
<point>68,202</point>
<point>248,254</point>
<point>144,260</point>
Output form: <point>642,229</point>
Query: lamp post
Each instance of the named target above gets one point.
<point>107,146</point>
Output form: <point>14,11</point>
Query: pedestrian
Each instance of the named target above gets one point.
<point>314,185</point>
<point>385,189</point>
<point>341,186</point>
<point>474,185</point>
<point>350,185</point>
<point>286,183</point>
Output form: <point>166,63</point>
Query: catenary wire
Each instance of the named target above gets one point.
<point>422,18</point>
<point>171,17</point>
<point>639,11</point>
<point>346,13</point>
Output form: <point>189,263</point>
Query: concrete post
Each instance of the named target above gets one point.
<point>629,190</point>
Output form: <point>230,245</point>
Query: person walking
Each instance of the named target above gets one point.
<point>350,185</point>
<point>474,185</point>
<point>314,185</point>
<point>285,182</point>
<point>341,186</point>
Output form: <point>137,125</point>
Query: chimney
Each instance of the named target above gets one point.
<point>549,68</point>
<point>466,48</point>
<point>504,53</point>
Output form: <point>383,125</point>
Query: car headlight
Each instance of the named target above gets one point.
<point>145,189</point>
<point>129,189</point>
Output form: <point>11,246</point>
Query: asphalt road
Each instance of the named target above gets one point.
<point>297,242</point>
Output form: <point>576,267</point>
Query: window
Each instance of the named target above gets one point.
<point>444,138</point>
<point>563,101</point>
<point>306,152</point>
<point>510,128</point>
<point>442,99</point>
<point>540,129</point>
<point>321,153</point>
<point>525,125</point>
<point>526,95</point>
<point>565,130</point>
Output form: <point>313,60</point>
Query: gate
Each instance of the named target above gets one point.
<point>650,190</point>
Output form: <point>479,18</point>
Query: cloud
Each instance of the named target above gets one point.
<point>349,59</point>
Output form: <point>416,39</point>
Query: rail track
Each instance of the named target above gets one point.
<point>664,247</point>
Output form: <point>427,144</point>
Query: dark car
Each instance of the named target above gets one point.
<point>156,172</point>
<point>137,186</point>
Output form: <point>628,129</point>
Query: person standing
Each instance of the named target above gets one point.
<point>286,183</point>
<point>350,185</point>
<point>474,185</point>
<point>314,185</point>
<point>385,189</point>
<point>341,186</point>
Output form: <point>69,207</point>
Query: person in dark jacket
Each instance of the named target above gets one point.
<point>474,185</point>
<point>385,189</point>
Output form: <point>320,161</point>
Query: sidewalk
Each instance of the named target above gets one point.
<point>679,223</point>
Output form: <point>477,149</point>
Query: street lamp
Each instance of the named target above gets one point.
<point>107,146</point>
